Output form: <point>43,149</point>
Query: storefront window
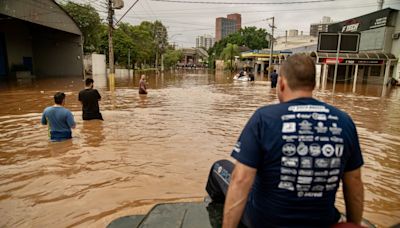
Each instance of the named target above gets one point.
<point>376,71</point>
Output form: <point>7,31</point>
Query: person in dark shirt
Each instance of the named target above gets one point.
<point>290,159</point>
<point>274,79</point>
<point>89,99</point>
<point>59,119</point>
<point>142,85</point>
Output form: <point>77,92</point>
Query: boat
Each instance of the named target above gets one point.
<point>185,215</point>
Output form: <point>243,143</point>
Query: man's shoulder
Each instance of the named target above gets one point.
<point>336,111</point>
<point>272,109</point>
<point>47,109</point>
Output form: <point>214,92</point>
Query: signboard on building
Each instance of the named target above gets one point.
<point>369,21</point>
<point>328,42</point>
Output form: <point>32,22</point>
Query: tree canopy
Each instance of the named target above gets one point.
<point>145,43</point>
<point>88,21</point>
<point>250,37</point>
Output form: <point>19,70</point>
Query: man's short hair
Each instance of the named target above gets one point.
<point>59,98</point>
<point>88,81</point>
<point>299,71</point>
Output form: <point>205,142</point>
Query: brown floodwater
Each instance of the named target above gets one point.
<point>159,148</point>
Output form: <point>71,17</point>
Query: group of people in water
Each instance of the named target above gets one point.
<point>60,120</point>
<point>290,157</point>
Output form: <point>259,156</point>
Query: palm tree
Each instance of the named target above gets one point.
<point>229,53</point>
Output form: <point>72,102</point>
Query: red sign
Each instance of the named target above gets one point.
<point>332,60</point>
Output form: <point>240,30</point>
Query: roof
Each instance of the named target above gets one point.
<point>361,55</point>
<point>42,12</point>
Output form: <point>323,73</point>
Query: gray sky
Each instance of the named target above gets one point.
<point>186,21</point>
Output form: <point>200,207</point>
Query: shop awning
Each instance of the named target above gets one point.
<point>358,56</point>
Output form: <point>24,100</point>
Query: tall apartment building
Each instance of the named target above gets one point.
<point>225,26</point>
<point>315,28</point>
<point>236,17</point>
<point>205,41</point>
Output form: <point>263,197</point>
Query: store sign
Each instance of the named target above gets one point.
<point>351,61</point>
<point>332,60</point>
<point>350,28</point>
<point>380,22</point>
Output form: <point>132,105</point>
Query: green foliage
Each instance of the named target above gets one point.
<point>171,57</point>
<point>144,42</point>
<point>250,37</point>
<point>228,54</point>
<point>88,21</point>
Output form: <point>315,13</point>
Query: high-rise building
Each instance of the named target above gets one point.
<point>205,41</point>
<point>236,17</point>
<point>315,28</point>
<point>225,26</point>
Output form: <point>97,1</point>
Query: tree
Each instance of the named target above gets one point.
<point>229,53</point>
<point>145,42</point>
<point>171,57</point>
<point>88,21</point>
<point>250,37</point>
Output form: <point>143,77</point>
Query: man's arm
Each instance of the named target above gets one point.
<point>44,120</point>
<point>241,181</point>
<point>70,120</point>
<point>353,192</point>
<point>98,95</point>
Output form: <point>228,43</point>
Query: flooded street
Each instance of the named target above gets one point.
<point>159,148</point>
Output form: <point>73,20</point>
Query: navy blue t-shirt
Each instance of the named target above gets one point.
<point>300,149</point>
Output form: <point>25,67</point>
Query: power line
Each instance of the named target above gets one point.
<point>242,3</point>
<point>127,11</point>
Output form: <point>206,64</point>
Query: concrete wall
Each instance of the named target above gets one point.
<point>57,53</point>
<point>373,40</point>
<point>396,46</point>
<point>98,64</point>
<point>18,41</point>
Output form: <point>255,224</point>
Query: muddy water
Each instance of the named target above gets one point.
<point>159,147</point>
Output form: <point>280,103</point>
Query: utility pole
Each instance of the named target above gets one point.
<point>110,38</point>
<point>337,61</point>
<point>271,46</point>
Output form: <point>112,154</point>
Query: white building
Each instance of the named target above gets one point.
<point>205,41</point>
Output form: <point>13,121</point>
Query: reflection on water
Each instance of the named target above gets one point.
<point>159,147</point>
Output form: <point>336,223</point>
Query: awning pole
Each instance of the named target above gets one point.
<point>385,79</point>
<point>336,63</point>
<point>355,78</point>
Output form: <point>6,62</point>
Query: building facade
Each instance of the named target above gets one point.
<point>38,37</point>
<point>236,17</point>
<point>225,26</point>
<point>205,41</point>
<point>315,28</point>
<point>379,49</point>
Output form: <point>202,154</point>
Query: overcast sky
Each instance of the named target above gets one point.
<point>187,21</point>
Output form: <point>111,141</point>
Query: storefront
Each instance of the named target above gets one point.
<point>379,50</point>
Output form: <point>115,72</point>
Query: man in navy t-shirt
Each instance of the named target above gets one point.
<point>274,79</point>
<point>291,158</point>
<point>59,119</point>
